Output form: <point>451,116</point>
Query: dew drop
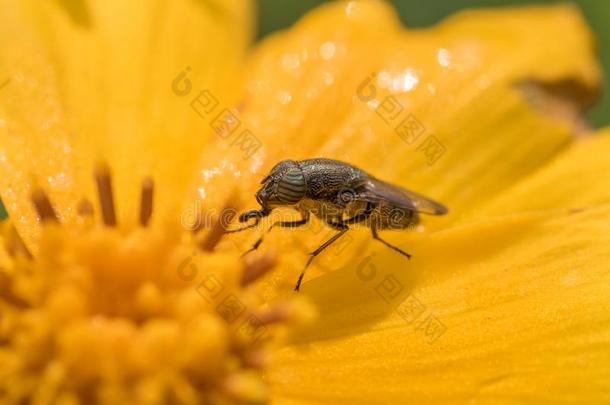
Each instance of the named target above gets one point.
<point>327,50</point>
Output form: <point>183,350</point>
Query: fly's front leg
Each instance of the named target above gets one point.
<point>243,228</point>
<point>342,228</point>
<point>282,224</point>
<point>256,214</point>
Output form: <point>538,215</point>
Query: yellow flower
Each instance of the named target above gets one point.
<point>504,300</point>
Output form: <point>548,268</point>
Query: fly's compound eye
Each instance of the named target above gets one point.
<point>291,186</point>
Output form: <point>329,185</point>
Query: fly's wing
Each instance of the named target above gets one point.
<point>377,191</point>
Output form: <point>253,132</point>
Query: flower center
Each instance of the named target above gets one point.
<point>148,315</point>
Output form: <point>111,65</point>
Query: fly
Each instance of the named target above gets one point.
<point>339,194</point>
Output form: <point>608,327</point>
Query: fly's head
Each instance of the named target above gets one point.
<point>283,186</point>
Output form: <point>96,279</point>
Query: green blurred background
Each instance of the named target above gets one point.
<point>278,14</point>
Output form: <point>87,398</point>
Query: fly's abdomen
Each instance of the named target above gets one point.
<point>388,216</point>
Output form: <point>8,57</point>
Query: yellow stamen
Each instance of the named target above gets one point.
<point>14,244</point>
<point>84,208</point>
<point>256,267</point>
<point>219,228</point>
<point>146,201</point>
<point>104,188</point>
<point>43,206</point>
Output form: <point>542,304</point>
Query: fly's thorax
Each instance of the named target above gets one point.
<point>355,207</point>
<point>324,210</point>
<point>327,178</point>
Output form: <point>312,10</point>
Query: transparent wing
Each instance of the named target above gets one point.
<point>376,191</point>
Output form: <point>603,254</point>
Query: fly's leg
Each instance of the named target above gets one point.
<point>282,224</point>
<point>256,214</point>
<point>342,228</point>
<point>244,227</point>
<point>375,236</point>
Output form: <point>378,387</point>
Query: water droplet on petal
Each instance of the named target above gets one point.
<point>327,50</point>
<point>444,57</point>
<point>290,61</point>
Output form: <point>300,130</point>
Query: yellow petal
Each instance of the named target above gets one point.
<point>94,80</point>
<point>513,310</point>
<point>575,179</point>
<point>322,87</point>
<point>307,95</point>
